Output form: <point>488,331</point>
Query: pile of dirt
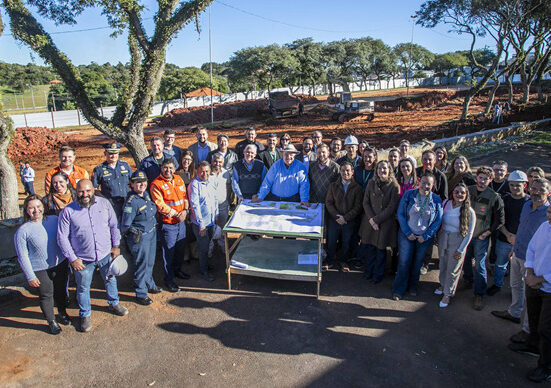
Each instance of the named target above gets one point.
<point>427,100</point>
<point>29,141</point>
<point>305,99</point>
<point>200,115</point>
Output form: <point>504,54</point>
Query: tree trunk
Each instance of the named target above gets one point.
<point>491,97</point>
<point>511,91</point>
<point>466,103</point>
<point>526,92</point>
<point>9,208</point>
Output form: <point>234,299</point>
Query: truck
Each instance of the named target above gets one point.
<point>283,104</point>
<point>353,109</point>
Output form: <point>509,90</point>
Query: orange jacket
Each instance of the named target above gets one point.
<point>77,174</point>
<point>169,196</point>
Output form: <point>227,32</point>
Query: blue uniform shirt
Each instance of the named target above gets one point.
<point>138,213</point>
<point>152,168</point>
<point>113,181</point>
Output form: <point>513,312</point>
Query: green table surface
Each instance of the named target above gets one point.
<point>276,256</point>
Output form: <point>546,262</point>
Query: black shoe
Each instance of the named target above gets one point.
<point>519,338</point>
<point>54,327</point>
<point>539,375</point>
<point>172,288</point>
<point>64,319</point>
<point>524,349</point>
<point>493,290</point>
<point>505,315</point>
<point>144,301</point>
<point>208,277</point>
<point>210,267</point>
<point>181,275</point>
<point>155,290</point>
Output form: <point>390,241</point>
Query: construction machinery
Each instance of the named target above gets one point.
<point>353,109</point>
<point>282,104</point>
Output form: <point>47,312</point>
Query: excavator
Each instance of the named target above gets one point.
<point>353,110</point>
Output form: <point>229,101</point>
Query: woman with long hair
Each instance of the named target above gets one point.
<point>378,228</point>
<point>455,234</point>
<point>407,177</point>
<point>442,162</point>
<point>42,262</point>
<point>61,194</point>
<point>459,172</point>
<point>187,171</point>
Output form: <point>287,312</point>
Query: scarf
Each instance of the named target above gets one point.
<point>62,200</point>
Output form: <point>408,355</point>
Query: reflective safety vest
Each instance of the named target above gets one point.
<point>169,195</point>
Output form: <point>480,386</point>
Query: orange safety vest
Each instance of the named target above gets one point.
<point>169,195</point>
<point>77,174</point>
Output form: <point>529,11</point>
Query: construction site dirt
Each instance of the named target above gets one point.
<point>417,114</point>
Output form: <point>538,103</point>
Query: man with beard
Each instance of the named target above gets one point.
<point>336,149</point>
<point>89,237</point>
<point>202,147</point>
<point>351,147</point>
<point>308,154</point>
<point>317,137</point>
<point>168,191</point>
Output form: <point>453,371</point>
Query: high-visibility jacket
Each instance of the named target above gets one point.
<point>170,197</point>
<point>77,174</point>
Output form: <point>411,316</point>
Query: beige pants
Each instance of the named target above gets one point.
<point>450,269</point>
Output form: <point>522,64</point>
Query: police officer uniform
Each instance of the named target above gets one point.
<point>113,181</point>
<point>138,224</point>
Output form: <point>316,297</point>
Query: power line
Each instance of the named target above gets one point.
<point>282,22</point>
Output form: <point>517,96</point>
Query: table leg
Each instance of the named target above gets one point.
<point>228,270</point>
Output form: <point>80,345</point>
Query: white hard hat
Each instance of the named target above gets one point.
<point>517,176</point>
<point>117,267</point>
<point>351,140</point>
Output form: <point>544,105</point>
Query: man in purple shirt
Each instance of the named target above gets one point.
<point>89,237</point>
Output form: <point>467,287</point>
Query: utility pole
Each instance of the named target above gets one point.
<point>210,63</point>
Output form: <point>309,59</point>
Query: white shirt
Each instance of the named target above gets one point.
<point>538,255</point>
<point>221,180</point>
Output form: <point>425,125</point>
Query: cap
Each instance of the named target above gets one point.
<point>117,267</point>
<point>351,140</point>
<point>290,148</point>
<point>112,147</point>
<point>138,176</point>
<point>517,176</point>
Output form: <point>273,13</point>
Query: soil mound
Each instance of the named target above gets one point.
<point>427,100</point>
<point>30,141</point>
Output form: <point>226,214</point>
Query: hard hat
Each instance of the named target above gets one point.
<point>117,267</point>
<point>351,140</point>
<point>517,176</point>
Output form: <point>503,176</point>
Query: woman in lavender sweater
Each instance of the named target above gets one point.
<point>41,260</point>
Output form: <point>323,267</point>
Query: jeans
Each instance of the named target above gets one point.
<point>480,253</point>
<point>203,246</point>
<point>518,308</point>
<point>52,288</point>
<point>334,230</point>
<point>28,186</point>
<point>411,255</point>
<point>143,254</point>
<point>375,260</point>
<point>502,261</point>
<point>83,279</point>
<point>539,317</point>
<point>173,243</point>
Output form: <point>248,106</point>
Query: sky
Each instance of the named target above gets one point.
<point>237,24</point>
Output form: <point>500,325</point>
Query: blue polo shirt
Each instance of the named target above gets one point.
<point>530,221</point>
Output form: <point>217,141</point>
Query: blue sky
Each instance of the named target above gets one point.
<point>234,28</point>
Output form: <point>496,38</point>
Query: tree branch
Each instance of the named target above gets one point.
<point>136,26</point>
<point>185,13</point>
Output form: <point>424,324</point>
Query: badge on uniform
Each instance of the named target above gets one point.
<point>128,209</point>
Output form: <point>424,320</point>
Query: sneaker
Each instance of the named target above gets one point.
<point>493,290</point>
<point>85,324</point>
<point>54,327</point>
<point>345,267</point>
<point>396,297</point>
<point>439,291</point>
<point>505,315</point>
<point>525,349</point>
<point>424,269</point>
<point>539,375</point>
<point>478,304</point>
<point>519,338</point>
<point>118,310</point>
<point>445,301</point>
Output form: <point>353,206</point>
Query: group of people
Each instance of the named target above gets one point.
<point>372,205</point>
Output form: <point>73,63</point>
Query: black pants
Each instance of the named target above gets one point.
<point>53,283</point>
<point>538,304</point>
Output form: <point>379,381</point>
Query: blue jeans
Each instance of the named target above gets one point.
<point>203,247</point>
<point>502,261</point>
<point>83,279</point>
<point>143,254</point>
<point>333,232</point>
<point>410,260</point>
<point>480,253</point>
<point>173,243</point>
<point>374,259</point>
<point>28,186</point>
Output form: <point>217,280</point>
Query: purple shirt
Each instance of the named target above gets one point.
<point>88,233</point>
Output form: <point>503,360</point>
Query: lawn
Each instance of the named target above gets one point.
<point>19,102</point>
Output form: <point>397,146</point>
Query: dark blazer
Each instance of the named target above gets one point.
<point>348,204</point>
<point>265,157</point>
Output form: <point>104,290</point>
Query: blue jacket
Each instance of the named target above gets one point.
<point>436,212</point>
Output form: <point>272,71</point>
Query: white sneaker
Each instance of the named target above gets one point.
<point>424,270</point>
<point>438,291</point>
<point>445,301</point>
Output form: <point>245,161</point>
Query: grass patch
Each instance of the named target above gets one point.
<point>16,102</point>
<point>542,138</point>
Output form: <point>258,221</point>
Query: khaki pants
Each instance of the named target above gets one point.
<point>450,269</point>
